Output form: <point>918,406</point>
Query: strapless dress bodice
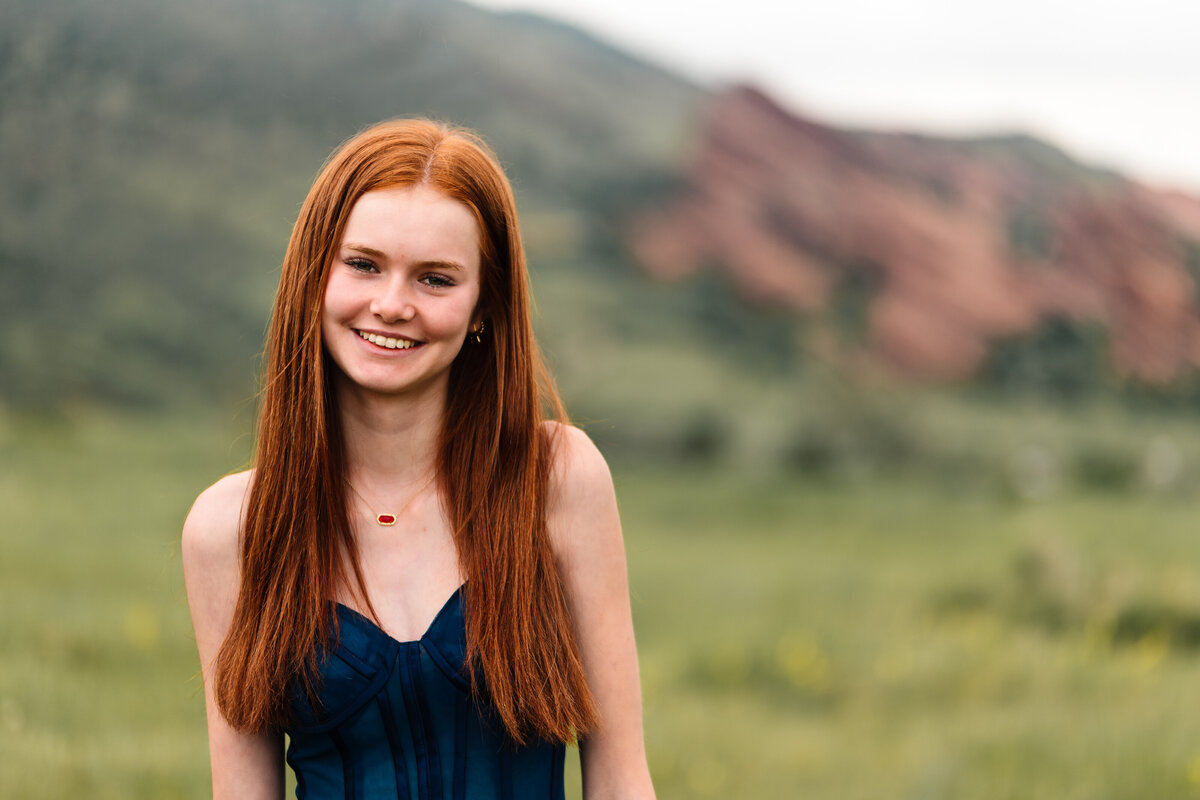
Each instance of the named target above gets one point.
<point>397,720</point>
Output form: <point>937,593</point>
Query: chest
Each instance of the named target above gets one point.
<point>409,568</point>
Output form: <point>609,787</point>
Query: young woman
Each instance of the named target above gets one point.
<point>422,580</point>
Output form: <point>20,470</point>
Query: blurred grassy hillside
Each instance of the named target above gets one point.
<point>834,638</point>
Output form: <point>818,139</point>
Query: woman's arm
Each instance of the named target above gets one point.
<point>244,767</point>
<point>585,529</point>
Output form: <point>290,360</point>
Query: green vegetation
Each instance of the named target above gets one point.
<point>854,631</point>
<point>153,156</point>
<point>1061,359</point>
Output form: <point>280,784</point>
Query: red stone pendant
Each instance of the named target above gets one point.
<point>386,519</point>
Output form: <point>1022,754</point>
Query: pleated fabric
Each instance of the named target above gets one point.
<point>397,720</point>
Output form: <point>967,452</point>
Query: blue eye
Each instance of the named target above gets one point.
<point>436,281</point>
<point>360,264</point>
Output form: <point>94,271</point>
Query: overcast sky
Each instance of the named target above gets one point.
<point>1115,82</point>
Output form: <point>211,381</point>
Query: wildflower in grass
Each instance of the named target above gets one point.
<point>1193,769</point>
<point>141,626</point>
<point>1151,650</point>
<point>802,661</point>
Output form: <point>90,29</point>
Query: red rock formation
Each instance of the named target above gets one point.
<point>964,241</point>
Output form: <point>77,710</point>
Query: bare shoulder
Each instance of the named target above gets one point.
<point>211,560</point>
<point>577,462</point>
<point>578,469</point>
<point>582,504</point>
<point>210,532</point>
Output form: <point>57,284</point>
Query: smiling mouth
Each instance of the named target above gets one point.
<point>388,342</point>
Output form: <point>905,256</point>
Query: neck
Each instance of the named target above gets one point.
<point>391,441</point>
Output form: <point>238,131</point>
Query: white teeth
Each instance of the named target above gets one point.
<point>389,342</point>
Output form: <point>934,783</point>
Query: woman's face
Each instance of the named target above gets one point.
<point>402,290</point>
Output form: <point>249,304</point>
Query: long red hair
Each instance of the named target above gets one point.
<point>494,463</point>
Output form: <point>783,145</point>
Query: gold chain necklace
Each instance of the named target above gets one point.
<point>387,520</point>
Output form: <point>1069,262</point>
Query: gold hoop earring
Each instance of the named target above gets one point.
<point>478,333</point>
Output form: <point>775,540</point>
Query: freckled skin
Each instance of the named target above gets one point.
<point>408,266</point>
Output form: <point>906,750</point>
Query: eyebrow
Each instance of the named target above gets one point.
<point>371,251</point>
<point>362,248</point>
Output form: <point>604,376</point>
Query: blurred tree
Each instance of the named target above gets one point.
<point>1062,359</point>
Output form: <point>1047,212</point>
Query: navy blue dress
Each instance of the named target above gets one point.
<point>397,720</point>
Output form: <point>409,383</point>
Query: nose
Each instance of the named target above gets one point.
<point>394,300</point>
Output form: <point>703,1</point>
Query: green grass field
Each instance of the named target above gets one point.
<point>880,638</point>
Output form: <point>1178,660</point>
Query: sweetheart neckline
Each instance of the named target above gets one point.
<point>374,626</point>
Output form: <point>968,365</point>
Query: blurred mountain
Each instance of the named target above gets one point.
<point>154,154</point>
<point>934,258</point>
